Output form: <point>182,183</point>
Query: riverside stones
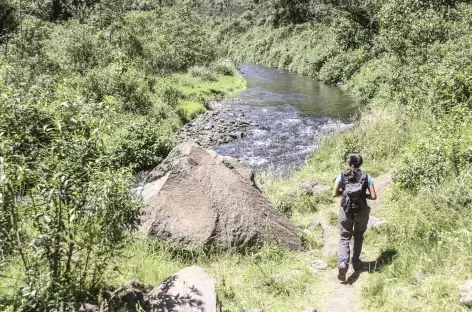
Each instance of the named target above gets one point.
<point>217,127</point>
<point>189,290</point>
<point>465,292</point>
<point>198,198</point>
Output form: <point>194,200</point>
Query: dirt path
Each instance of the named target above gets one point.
<point>345,297</point>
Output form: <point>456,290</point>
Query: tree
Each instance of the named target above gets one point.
<point>8,19</point>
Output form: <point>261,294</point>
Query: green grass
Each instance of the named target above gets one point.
<point>198,89</point>
<point>270,278</point>
<point>191,109</point>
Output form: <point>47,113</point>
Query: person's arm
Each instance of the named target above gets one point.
<point>337,190</point>
<point>372,194</point>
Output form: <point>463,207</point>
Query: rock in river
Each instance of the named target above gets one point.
<point>198,198</point>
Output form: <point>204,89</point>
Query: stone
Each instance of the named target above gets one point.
<point>313,224</point>
<point>465,292</point>
<point>375,222</point>
<point>86,307</point>
<point>312,187</point>
<point>310,310</point>
<point>189,290</point>
<point>198,198</point>
<point>330,253</point>
<point>305,233</point>
<point>419,278</point>
<point>236,135</point>
<point>319,265</point>
<point>133,292</point>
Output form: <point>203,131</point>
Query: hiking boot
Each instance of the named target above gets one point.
<point>342,271</point>
<point>357,265</point>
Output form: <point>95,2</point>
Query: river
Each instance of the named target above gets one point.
<point>291,111</point>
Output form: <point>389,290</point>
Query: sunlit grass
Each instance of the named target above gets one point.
<point>198,89</point>
<point>191,109</point>
<point>270,277</point>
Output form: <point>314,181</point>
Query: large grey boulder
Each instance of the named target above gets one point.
<point>190,290</point>
<point>198,198</point>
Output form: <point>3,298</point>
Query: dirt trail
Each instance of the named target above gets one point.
<point>344,297</point>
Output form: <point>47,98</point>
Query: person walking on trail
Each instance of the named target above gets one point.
<point>352,185</point>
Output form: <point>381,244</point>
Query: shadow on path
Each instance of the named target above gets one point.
<point>385,258</point>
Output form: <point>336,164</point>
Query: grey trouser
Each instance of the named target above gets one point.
<point>352,226</point>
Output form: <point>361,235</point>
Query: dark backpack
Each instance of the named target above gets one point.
<point>354,199</point>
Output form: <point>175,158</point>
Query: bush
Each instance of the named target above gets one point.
<point>143,143</point>
<point>341,67</point>
<point>202,72</point>
<point>167,40</point>
<point>223,67</point>
<point>77,47</point>
<point>65,211</point>
<point>129,86</point>
<point>442,155</point>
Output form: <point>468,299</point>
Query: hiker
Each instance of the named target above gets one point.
<point>352,185</point>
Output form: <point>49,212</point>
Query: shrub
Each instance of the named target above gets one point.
<point>77,47</point>
<point>223,67</point>
<point>129,86</point>
<point>342,66</point>
<point>66,210</point>
<point>142,143</point>
<point>202,72</point>
<point>167,40</point>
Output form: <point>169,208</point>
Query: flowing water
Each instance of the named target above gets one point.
<point>290,111</point>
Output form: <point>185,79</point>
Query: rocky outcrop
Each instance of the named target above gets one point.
<point>197,198</point>
<point>190,290</point>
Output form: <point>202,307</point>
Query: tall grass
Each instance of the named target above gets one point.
<point>270,277</point>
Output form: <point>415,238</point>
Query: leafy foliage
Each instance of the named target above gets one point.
<point>89,92</point>
<point>65,206</point>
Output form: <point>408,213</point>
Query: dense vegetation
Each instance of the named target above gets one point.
<point>92,90</point>
<point>89,92</point>
<point>411,62</point>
